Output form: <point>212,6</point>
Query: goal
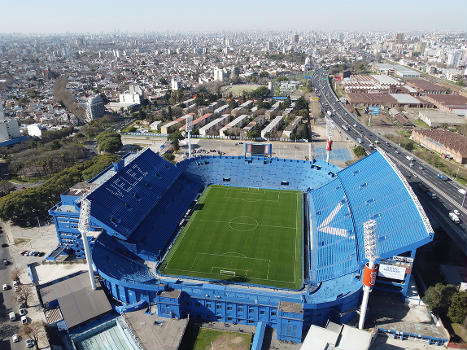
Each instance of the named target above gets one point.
<point>227,272</point>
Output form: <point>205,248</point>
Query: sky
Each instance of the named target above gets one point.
<point>96,16</point>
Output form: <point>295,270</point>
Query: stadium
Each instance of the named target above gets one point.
<point>247,239</point>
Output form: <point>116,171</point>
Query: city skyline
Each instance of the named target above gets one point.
<point>53,16</point>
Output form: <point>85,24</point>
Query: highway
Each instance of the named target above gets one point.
<point>418,173</point>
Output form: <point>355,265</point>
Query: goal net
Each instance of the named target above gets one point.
<point>227,272</point>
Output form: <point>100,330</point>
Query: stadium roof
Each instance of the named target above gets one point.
<point>122,202</point>
<point>372,188</point>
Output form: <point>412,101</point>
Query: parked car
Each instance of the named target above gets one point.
<point>457,212</point>
<point>24,252</point>
<point>22,311</point>
<point>16,284</point>
<point>4,245</point>
<point>29,343</point>
<point>15,338</point>
<point>5,262</point>
<point>12,316</point>
<point>24,320</point>
<point>5,287</point>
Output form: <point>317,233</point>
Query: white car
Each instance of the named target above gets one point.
<point>457,212</point>
<point>15,338</point>
<point>24,320</point>
<point>5,287</point>
<point>22,311</point>
<point>29,343</point>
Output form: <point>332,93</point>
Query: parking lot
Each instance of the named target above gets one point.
<point>14,241</point>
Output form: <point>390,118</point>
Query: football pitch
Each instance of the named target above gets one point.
<point>242,235</point>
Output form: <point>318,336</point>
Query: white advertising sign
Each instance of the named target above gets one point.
<point>391,271</point>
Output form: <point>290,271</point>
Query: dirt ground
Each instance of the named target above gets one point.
<point>229,341</point>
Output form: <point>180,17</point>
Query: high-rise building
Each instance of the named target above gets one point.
<point>269,46</point>
<point>399,38</point>
<point>454,58</point>
<point>175,84</point>
<point>9,128</point>
<point>220,74</point>
<point>295,38</point>
<point>94,108</point>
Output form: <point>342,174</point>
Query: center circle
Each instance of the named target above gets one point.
<point>243,223</point>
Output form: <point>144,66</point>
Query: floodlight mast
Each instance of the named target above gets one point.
<point>189,128</point>
<point>329,131</point>
<point>369,275</point>
<point>83,227</point>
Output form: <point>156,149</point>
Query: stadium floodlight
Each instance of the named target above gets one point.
<point>369,275</point>
<point>189,128</point>
<point>329,131</point>
<point>83,227</point>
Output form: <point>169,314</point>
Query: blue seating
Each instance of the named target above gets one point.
<point>143,203</point>
<point>122,202</point>
<point>154,234</point>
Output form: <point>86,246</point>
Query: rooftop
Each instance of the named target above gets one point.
<point>425,85</point>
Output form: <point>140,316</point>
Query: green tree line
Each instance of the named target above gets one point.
<point>24,207</point>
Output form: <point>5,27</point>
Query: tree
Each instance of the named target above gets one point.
<point>359,151</point>
<point>35,331</point>
<point>260,92</point>
<point>301,104</point>
<point>457,311</point>
<point>174,139</point>
<point>15,273</point>
<point>169,156</point>
<point>232,104</point>
<point>109,141</point>
<point>438,297</point>
<point>24,294</point>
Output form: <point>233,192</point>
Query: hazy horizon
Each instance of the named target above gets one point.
<point>54,17</point>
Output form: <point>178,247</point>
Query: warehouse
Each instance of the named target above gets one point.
<point>436,118</point>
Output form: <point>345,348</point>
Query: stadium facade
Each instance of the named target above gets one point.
<point>140,204</point>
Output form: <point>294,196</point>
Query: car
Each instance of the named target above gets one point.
<point>457,212</point>
<point>420,167</point>
<point>5,262</point>
<point>15,338</point>
<point>5,287</point>
<point>24,319</point>
<point>396,151</point>
<point>4,245</point>
<point>16,284</point>
<point>24,252</point>
<point>442,177</point>
<point>12,316</point>
<point>29,343</point>
<point>22,311</point>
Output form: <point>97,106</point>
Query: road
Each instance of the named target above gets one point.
<point>417,172</point>
<point>7,303</point>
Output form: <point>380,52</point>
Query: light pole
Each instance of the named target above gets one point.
<point>369,275</point>
<point>463,192</point>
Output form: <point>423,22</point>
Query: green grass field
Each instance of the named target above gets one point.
<point>242,235</point>
<point>237,90</point>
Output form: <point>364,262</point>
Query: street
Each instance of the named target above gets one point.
<point>450,197</point>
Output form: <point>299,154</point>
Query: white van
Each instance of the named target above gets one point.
<point>12,316</point>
